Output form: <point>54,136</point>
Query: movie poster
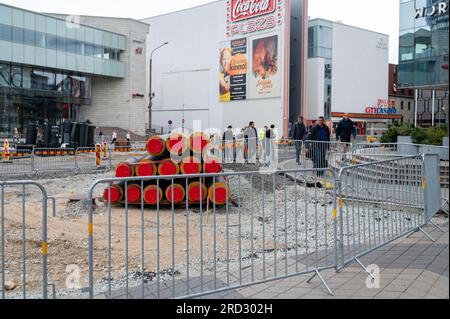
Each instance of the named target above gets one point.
<point>265,75</point>
<point>233,71</point>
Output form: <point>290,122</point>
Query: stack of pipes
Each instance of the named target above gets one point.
<point>171,155</point>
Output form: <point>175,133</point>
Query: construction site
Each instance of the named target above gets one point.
<point>174,217</point>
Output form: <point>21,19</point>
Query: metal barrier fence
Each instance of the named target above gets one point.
<point>20,163</point>
<point>27,162</point>
<point>51,159</point>
<point>193,235</point>
<point>382,201</point>
<point>23,237</point>
<point>269,227</point>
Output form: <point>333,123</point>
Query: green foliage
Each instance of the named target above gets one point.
<point>436,134</point>
<point>431,136</point>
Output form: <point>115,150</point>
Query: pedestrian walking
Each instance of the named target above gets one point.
<point>269,149</point>
<point>321,136</point>
<point>114,138</point>
<point>251,139</point>
<point>299,132</point>
<point>228,141</point>
<point>128,139</point>
<point>344,132</point>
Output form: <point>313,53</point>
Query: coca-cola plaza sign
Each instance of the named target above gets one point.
<point>246,9</point>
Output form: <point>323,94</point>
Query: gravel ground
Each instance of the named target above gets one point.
<point>259,224</point>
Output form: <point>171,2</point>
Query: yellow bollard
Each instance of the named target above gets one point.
<point>105,150</point>
<point>6,150</point>
<point>98,159</point>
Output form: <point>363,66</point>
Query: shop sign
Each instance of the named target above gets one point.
<point>438,9</point>
<point>384,107</point>
<point>246,9</point>
<point>250,16</point>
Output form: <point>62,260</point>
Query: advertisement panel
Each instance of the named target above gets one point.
<point>233,70</point>
<point>265,76</point>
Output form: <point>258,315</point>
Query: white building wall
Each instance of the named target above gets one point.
<point>315,88</point>
<point>360,68</point>
<point>186,73</point>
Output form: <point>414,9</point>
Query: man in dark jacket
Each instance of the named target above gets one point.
<point>251,141</point>
<point>321,136</point>
<point>344,131</point>
<point>298,135</point>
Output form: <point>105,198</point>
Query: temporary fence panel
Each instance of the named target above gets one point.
<point>23,241</point>
<point>379,202</point>
<point>86,158</point>
<point>53,159</point>
<point>256,227</point>
<point>431,186</point>
<point>20,164</point>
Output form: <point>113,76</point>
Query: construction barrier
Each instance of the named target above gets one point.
<point>255,227</point>
<point>16,248</point>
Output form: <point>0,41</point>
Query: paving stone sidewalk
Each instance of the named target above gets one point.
<point>410,268</point>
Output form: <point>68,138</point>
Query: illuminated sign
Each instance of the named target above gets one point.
<point>438,9</point>
<point>250,16</point>
<point>384,107</point>
<point>246,9</point>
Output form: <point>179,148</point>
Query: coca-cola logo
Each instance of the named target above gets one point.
<point>246,9</point>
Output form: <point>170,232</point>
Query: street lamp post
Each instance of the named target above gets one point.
<point>151,95</point>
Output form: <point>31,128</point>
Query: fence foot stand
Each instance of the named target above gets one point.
<point>420,229</point>
<point>437,226</point>
<point>317,273</point>
<point>365,269</point>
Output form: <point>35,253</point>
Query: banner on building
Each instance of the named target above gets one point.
<point>265,76</point>
<point>233,70</point>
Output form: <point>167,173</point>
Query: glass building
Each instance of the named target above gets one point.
<point>423,58</point>
<point>423,55</point>
<point>47,65</point>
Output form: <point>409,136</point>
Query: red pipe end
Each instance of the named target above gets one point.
<point>168,168</point>
<point>152,194</point>
<point>219,194</point>
<point>178,193</point>
<point>177,144</point>
<point>198,142</point>
<point>116,194</point>
<point>134,194</point>
<point>124,170</point>
<point>145,169</point>
<point>197,194</point>
<point>155,146</point>
<point>191,167</point>
<point>212,166</point>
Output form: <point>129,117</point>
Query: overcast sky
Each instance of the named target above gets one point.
<point>377,15</point>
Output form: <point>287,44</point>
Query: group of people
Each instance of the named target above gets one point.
<point>252,140</point>
<point>319,136</point>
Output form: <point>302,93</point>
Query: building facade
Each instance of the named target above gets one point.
<point>423,58</point>
<point>402,98</point>
<point>347,72</point>
<point>229,63</point>
<point>55,68</point>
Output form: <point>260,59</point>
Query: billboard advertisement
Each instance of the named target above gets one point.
<point>233,70</point>
<point>265,75</point>
<point>250,68</point>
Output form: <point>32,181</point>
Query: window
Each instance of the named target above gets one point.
<point>61,44</point>
<point>51,42</point>
<point>40,39</point>
<point>17,35</point>
<point>71,46</point>
<point>5,33</point>
<point>98,52</point>
<point>30,37</point>
<point>89,50</point>
<point>4,74</point>
<point>409,106</point>
<point>402,105</point>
